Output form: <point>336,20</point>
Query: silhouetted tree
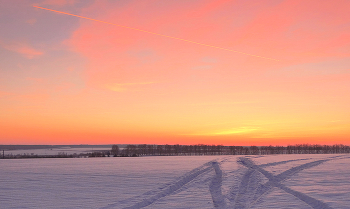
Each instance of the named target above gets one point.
<point>115,150</point>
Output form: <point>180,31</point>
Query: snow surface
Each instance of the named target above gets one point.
<point>272,181</point>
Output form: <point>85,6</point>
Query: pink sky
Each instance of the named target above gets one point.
<point>69,80</point>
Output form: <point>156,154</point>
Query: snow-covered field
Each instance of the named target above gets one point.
<point>273,181</point>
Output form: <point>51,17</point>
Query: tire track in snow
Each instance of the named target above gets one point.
<point>250,183</point>
<point>249,191</point>
<point>240,199</point>
<point>171,189</point>
<point>281,162</point>
<point>215,188</point>
<point>150,197</point>
<point>274,181</point>
<point>314,203</point>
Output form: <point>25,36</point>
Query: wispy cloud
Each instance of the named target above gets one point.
<point>31,21</point>
<point>222,103</point>
<point>120,87</point>
<point>203,67</point>
<point>158,34</point>
<point>233,131</point>
<point>4,93</point>
<point>58,2</point>
<point>23,49</point>
<point>241,130</point>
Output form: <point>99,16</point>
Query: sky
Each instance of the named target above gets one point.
<point>231,72</point>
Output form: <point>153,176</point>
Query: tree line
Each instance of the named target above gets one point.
<point>202,149</point>
<point>133,150</point>
<point>59,155</point>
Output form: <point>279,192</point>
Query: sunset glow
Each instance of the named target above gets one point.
<point>175,72</point>
<point>181,39</point>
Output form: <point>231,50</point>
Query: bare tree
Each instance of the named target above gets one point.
<point>115,150</point>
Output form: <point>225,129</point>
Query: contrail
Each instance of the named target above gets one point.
<point>145,31</point>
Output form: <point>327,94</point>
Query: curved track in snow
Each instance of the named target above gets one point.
<point>215,187</point>
<point>275,181</point>
<point>251,186</point>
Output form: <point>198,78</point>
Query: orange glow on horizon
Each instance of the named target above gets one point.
<point>83,80</point>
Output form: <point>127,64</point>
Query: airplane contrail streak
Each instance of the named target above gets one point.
<point>145,31</point>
